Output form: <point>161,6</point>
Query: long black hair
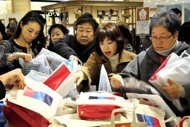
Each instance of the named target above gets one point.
<point>40,40</point>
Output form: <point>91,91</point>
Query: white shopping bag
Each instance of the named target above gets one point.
<point>62,80</point>
<point>104,84</point>
<point>100,104</point>
<point>176,69</point>
<point>45,62</point>
<point>37,97</point>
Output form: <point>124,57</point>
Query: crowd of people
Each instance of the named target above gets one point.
<point>95,45</point>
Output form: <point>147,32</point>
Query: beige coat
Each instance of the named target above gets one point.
<point>93,66</point>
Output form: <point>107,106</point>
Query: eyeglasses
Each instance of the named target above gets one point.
<point>152,38</point>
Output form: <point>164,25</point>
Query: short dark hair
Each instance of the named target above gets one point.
<point>2,30</point>
<point>176,11</point>
<point>61,27</point>
<point>111,31</point>
<point>168,20</point>
<point>86,18</point>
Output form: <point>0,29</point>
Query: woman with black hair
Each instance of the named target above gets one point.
<point>27,42</point>
<point>110,52</point>
<point>56,32</point>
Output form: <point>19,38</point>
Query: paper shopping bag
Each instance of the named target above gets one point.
<point>62,80</point>
<point>100,104</point>
<point>37,102</point>
<point>19,116</point>
<point>37,97</point>
<point>126,123</point>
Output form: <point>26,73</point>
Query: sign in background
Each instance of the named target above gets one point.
<point>142,20</point>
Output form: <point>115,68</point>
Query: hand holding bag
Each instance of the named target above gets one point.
<point>36,102</point>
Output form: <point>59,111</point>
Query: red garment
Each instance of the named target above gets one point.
<point>162,58</point>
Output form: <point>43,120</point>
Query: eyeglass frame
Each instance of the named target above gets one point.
<point>161,38</point>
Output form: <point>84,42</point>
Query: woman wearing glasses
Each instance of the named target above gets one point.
<point>163,34</point>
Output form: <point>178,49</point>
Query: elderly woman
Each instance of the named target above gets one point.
<point>163,34</point>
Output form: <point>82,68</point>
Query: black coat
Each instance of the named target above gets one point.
<point>69,46</point>
<point>2,90</point>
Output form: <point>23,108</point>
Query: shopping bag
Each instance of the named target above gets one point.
<point>128,123</point>
<point>104,84</point>
<point>62,80</point>
<point>35,102</point>
<point>176,69</point>
<point>19,116</point>
<point>45,62</point>
<point>100,104</point>
<point>139,116</point>
<point>184,122</point>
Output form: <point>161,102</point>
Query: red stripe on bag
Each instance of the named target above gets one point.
<point>123,125</point>
<point>55,80</point>
<point>94,111</point>
<point>154,76</point>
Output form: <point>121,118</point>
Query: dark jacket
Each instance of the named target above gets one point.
<point>184,31</point>
<point>2,90</point>
<point>147,62</point>
<point>9,46</point>
<point>69,46</point>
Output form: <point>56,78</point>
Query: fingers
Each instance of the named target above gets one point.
<point>115,83</point>
<point>79,80</point>
<point>79,77</point>
<point>16,79</point>
<point>27,58</point>
<point>172,91</point>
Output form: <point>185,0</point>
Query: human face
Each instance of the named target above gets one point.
<point>162,39</point>
<point>56,34</point>
<point>85,33</point>
<point>108,47</point>
<point>30,31</point>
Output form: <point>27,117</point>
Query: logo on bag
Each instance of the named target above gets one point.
<point>38,95</point>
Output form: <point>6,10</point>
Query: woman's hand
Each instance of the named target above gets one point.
<point>27,57</point>
<point>116,81</point>
<point>79,77</point>
<point>173,90</point>
<point>13,78</point>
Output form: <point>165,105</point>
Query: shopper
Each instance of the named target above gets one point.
<point>82,44</point>
<point>163,34</point>
<point>110,53</point>
<point>56,32</point>
<point>28,40</point>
